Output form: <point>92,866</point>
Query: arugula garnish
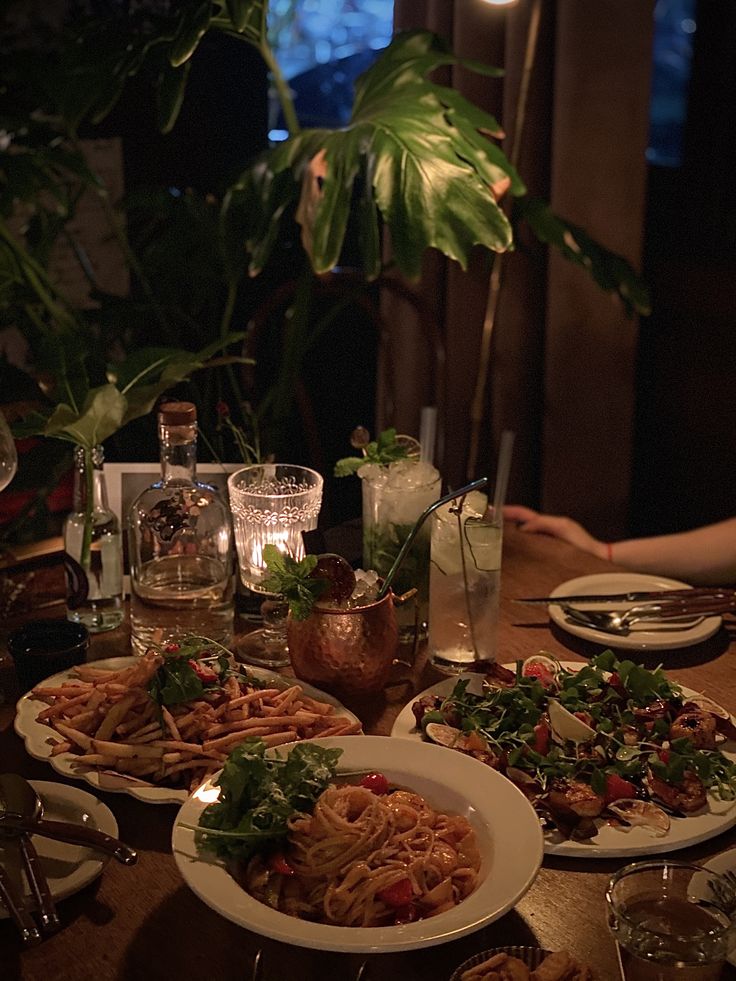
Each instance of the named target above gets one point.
<point>176,681</point>
<point>258,795</point>
<point>293,580</point>
<point>384,450</point>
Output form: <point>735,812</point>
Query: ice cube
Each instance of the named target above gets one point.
<point>366,588</point>
<point>409,474</point>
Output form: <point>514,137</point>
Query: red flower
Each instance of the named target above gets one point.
<point>223,409</point>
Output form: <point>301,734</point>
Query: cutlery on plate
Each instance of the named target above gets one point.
<point>621,623</point>
<point>18,795</point>
<point>16,907</point>
<point>74,834</point>
<point>727,595</point>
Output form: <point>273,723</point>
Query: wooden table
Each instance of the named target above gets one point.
<point>144,923</point>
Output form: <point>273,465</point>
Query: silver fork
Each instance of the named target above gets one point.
<point>616,622</point>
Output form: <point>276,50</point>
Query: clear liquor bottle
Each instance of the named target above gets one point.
<point>180,545</point>
<point>93,551</point>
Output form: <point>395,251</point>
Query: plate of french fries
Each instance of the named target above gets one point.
<point>158,725</point>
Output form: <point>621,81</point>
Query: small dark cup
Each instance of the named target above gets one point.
<point>41,648</point>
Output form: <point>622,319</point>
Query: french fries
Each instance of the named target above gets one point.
<point>110,722</point>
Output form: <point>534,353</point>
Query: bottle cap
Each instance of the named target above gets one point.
<point>177,414</point>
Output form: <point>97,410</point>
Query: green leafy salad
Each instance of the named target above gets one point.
<point>258,795</point>
<point>579,742</point>
<point>191,666</point>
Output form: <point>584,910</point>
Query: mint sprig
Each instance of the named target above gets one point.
<point>293,580</point>
<point>384,450</point>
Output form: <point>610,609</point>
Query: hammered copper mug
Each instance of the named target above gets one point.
<point>347,652</point>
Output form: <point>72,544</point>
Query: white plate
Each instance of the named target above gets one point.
<point>725,862</point>
<point>640,639</point>
<point>506,826</point>
<point>609,842</point>
<point>36,734</point>
<point>68,868</point>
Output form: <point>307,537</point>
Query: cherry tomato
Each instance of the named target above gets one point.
<point>278,864</point>
<point>375,782</point>
<point>617,788</point>
<point>664,755</point>
<point>206,674</point>
<point>398,894</point>
<point>172,648</point>
<point>541,738</point>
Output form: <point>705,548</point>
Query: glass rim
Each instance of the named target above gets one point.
<point>718,930</point>
<point>317,477</point>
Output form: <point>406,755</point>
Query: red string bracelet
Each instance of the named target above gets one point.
<point>609,551</point>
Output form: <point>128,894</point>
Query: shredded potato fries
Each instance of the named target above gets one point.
<point>109,720</point>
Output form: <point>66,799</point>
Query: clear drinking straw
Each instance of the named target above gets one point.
<point>427,433</point>
<point>502,473</point>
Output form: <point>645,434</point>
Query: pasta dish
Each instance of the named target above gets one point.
<point>363,859</point>
<point>354,855</point>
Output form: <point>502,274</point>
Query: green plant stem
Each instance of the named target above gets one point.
<point>283,91</point>
<point>37,279</point>
<point>225,321</point>
<point>89,481</point>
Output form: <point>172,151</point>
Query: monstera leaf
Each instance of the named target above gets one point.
<point>417,155</point>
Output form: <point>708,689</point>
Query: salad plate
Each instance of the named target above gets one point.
<point>640,638</point>
<point>610,841</point>
<point>507,831</point>
<point>38,737</point>
<point>68,868</point>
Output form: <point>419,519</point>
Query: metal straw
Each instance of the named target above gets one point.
<point>481,482</point>
<point>502,473</point>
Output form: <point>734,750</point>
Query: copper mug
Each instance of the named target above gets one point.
<point>348,652</point>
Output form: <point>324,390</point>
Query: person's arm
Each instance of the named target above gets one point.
<point>705,556</point>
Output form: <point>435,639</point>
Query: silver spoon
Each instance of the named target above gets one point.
<point>14,795</point>
<point>18,818</point>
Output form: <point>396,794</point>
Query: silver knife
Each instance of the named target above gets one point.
<point>634,597</point>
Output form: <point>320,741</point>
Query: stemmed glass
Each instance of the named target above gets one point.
<point>271,504</point>
<point>8,454</point>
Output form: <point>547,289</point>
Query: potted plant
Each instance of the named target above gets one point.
<point>417,162</point>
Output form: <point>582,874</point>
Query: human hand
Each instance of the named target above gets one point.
<point>557,526</point>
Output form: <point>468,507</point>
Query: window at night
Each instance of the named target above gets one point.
<point>322,46</point>
<point>674,31</point>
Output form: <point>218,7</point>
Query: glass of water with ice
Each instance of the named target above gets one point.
<point>394,496</point>
<point>465,582</point>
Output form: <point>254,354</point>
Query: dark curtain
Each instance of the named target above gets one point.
<point>563,356</point>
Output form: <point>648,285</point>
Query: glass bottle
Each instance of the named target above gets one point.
<point>179,545</point>
<point>93,552</point>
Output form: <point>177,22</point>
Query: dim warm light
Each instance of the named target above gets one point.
<point>500,3</point>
